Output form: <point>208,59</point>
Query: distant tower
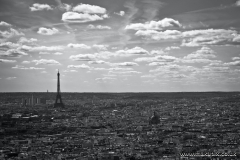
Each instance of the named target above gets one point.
<point>58,102</point>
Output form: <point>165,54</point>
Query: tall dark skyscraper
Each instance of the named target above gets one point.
<point>58,101</point>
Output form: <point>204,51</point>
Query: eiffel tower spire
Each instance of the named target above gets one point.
<point>58,101</point>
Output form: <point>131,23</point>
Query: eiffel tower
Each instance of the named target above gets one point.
<point>58,102</point>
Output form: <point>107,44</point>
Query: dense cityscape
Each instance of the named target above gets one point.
<point>120,126</point>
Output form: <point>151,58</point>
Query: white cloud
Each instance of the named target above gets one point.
<point>81,17</point>
<point>40,7</point>
<point>83,57</point>
<point>238,3</point>
<point>121,13</point>
<point>134,51</point>
<point>92,9</point>
<point>171,48</point>
<point>162,35</point>
<point>25,40</point>
<point>202,53</point>
<point>157,64</point>
<point>46,61</point>
<point>42,48</point>
<point>72,71</point>
<point>195,38</point>
<point>13,53</point>
<point>44,53</point>
<point>11,78</point>
<point>209,37</point>
<point>82,66</point>
<point>90,26</point>
<point>82,46</point>
<point>2,23</point>
<point>27,68</point>
<point>7,61</point>
<point>100,47</point>
<point>155,25</point>
<point>124,64</point>
<point>58,53</point>
<point>235,58</point>
<point>235,63</point>
<point>26,62</point>
<point>66,7</point>
<point>159,58</point>
<point>9,44</point>
<point>47,31</point>
<point>157,52</point>
<point>97,62</point>
<point>173,68</point>
<point>125,72</point>
<point>198,60</point>
<point>236,39</point>
<point>105,78</point>
<point>12,32</point>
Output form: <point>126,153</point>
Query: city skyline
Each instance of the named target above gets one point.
<point>119,45</point>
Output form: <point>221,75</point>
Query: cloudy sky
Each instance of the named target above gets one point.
<point>120,45</point>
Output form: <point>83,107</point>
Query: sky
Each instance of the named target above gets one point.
<point>120,45</point>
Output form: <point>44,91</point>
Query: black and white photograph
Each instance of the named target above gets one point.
<point>119,79</point>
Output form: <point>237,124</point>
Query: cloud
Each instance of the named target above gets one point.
<point>42,48</point>
<point>97,62</point>
<point>72,71</point>
<point>7,61</point>
<point>83,57</point>
<point>81,17</point>
<point>154,25</point>
<point>44,53</point>
<point>194,38</point>
<point>9,45</point>
<point>12,32</point>
<point>91,9</point>
<point>13,53</point>
<point>105,78</point>
<point>125,72</point>
<point>25,40</point>
<point>238,3</point>
<point>81,46</point>
<point>40,7</point>
<point>173,68</point>
<point>124,64</point>
<point>202,53</point>
<point>63,6</point>
<point>46,31</point>
<point>82,66</point>
<point>27,68</point>
<point>162,35</point>
<point>11,78</point>
<point>2,23</point>
<point>57,53</point>
<point>134,51</point>
<point>100,47</point>
<point>159,58</point>
<point>235,58</point>
<point>157,52</point>
<point>235,63</point>
<point>198,60</point>
<point>210,37</point>
<point>90,26</point>
<point>157,64</point>
<point>121,13</point>
<point>26,62</point>
<point>46,61</point>
<point>171,48</point>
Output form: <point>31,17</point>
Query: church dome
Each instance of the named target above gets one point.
<point>154,119</point>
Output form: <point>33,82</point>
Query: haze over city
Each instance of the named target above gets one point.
<point>119,45</point>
